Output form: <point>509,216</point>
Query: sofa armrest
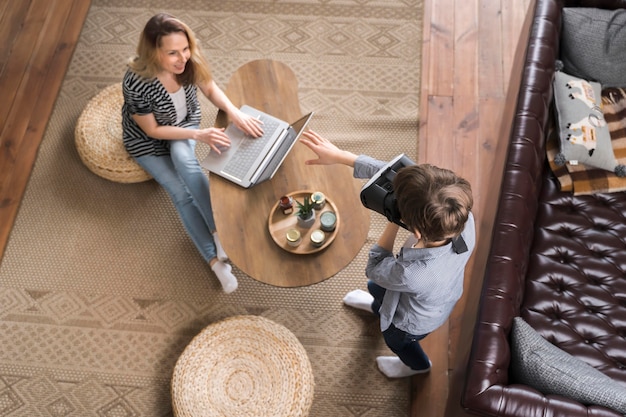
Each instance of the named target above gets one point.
<point>486,389</point>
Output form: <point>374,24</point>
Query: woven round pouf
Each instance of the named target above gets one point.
<point>98,137</point>
<point>243,366</point>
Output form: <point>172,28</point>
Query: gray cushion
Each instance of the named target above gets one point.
<point>593,44</point>
<point>583,133</point>
<point>541,365</point>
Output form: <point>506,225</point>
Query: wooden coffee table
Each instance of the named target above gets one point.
<point>242,215</point>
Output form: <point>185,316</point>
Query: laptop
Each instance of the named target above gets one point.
<point>249,161</point>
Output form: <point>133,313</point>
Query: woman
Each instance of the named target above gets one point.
<point>161,119</point>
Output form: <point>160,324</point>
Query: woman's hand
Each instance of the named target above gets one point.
<point>326,151</point>
<point>214,137</point>
<point>246,123</point>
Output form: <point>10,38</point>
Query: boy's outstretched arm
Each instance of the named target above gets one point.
<point>327,153</point>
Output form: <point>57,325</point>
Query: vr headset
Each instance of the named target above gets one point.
<point>378,195</point>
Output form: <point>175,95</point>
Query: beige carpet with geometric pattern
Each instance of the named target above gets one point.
<point>101,289</point>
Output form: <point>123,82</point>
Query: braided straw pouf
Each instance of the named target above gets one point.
<point>98,137</point>
<point>243,366</point>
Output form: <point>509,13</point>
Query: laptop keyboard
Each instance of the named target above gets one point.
<point>249,150</point>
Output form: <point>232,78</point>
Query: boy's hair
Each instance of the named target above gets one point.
<point>433,200</point>
<point>147,64</point>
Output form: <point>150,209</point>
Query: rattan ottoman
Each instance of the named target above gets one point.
<point>243,366</point>
<point>98,137</point>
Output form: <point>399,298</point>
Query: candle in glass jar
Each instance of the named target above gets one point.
<point>328,221</point>
<point>318,199</point>
<point>317,238</point>
<point>286,204</point>
<point>293,237</point>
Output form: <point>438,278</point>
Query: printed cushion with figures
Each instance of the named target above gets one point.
<point>583,132</point>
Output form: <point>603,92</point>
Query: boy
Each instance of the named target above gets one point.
<point>414,292</point>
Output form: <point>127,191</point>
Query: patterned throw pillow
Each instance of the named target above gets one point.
<point>583,132</point>
<point>541,365</point>
<point>593,44</point>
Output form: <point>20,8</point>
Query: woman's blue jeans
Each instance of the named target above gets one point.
<point>182,177</point>
<point>403,344</point>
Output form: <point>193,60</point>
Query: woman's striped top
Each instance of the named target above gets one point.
<point>142,96</point>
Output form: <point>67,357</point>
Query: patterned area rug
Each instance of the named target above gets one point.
<point>101,289</point>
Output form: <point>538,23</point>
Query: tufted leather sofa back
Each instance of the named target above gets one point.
<point>557,260</point>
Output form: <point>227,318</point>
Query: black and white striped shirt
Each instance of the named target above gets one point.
<point>142,96</point>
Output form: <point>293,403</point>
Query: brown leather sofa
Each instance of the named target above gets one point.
<point>556,260</point>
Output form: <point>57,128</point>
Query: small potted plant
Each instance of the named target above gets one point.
<point>306,213</point>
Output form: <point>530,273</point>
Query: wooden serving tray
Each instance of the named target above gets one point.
<point>279,223</point>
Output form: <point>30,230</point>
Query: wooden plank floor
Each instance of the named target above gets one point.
<point>468,57</point>
<point>467,60</point>
<point>37,39</point>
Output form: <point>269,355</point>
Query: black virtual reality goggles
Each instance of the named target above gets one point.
<point>378,195</point>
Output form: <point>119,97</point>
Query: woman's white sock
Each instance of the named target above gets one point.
<point>359,299</point>
<point>225,276</point>
<point>221,254</point>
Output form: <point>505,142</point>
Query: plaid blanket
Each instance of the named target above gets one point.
<point>581,179</point>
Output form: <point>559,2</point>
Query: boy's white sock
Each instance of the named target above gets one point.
<point>393,367</point>
<point>359,299</point>
<point>226,277</point>
<point>221,255</point>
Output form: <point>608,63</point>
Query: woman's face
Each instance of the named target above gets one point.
<point>174,52</point>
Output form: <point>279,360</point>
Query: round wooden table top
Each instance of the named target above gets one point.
<point>241,215</point>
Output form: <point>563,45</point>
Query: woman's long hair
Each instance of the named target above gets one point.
<point>146,63</point>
